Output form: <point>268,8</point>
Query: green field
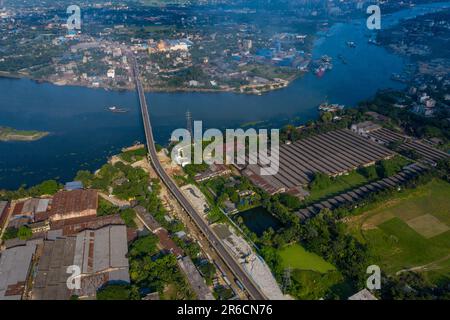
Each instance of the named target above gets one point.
<point>296,257</point>
<point>338,185</point>
<point>313,277</point>
<point>411,231</point>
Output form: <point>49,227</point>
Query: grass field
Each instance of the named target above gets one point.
<point>313,276</point>
<point>410,231</point>
<point>296,257</point>
<point>338,185</point>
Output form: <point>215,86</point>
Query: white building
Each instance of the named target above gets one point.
<point>111,73</point>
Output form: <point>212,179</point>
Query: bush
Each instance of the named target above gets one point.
<point>114,292</point>
<point>320,181</point>
<point>24,233</point>
<point>128,216</point>
<point>10,233</point>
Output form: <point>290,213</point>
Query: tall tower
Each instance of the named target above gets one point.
<point>189,124</point>
<point>286,279</point>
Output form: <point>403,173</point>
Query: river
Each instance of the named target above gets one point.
<point>84,134</point>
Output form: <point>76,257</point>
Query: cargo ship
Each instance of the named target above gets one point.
<point>117,110</point>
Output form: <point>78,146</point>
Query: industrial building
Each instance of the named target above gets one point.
<point>100,254</point>
<point>333,153</point>
<point>426,152</point>
<point>15,265</point>
<point>74,204</point>
<point>361,193</point>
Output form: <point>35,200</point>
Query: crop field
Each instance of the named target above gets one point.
<point>411,231</point>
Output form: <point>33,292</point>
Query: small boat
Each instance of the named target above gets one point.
<point>117,110</point>
<point>351,44</point>
<point>320,72</point>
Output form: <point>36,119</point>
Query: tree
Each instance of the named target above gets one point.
<point>24,233</point>
<point>369,172</point>
<point>114,292</point>
<point>326,117</point>
<point>128,215</point>
<point>320,181</point>
<point>85,177</point>
<point>290,201</point>
<point>10,233</point>
<point>387,168</point>
<point>144,246</point>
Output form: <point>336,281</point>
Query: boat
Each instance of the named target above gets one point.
<point>326,59</point>
<point>326,107</point>
<point>115,109</point>
<point>351,44</point>
<point>320,71</point>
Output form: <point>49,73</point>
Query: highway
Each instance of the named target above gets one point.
<point>252,289</point>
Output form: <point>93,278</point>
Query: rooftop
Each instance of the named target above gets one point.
<point>14,267</point>
<point>75,203</point>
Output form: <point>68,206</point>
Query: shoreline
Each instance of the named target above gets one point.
<point>273,86</point>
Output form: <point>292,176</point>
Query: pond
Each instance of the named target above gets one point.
<point>259,220</point>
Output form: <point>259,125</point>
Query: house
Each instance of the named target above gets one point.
<point>365,127</point>
<point>74,204</point>
<point>246,193</point>
<point>229,207</point>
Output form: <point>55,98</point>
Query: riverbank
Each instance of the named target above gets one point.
<point>255,89</point>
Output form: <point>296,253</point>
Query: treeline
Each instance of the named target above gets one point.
<point>48,187</point>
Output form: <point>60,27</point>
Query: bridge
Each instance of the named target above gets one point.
<point>252,289</point>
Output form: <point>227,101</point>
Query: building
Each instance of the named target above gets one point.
<point>111,73</point>
<point>4,210</point>
<point>214,171</point>
<point>15,265</point>
<point>39,227</point>
<point>171,45</point>
<point>73,185</point>
<point>100,255</point>
<point>74,204</point>
<point>364,294</point>
<point>194,278</point>
<point>364,128</point>
<point>333,153</point>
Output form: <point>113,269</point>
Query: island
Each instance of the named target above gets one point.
<point>10,134</point>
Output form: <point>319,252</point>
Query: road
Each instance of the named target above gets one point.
<point>252,289</point>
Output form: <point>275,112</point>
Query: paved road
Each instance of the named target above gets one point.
<point>252,289</point>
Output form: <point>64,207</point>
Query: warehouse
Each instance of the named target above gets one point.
<point>333,153</point>
<point>426,152</point>
<point>74,204</point>
<point>100,255</point>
